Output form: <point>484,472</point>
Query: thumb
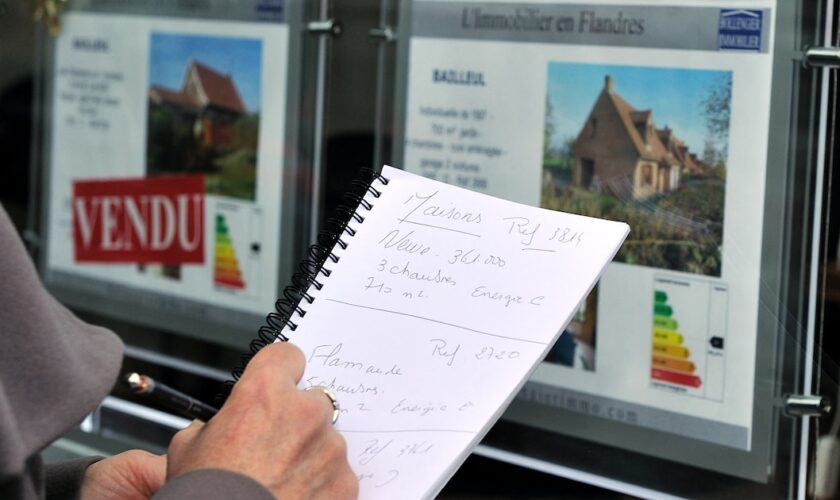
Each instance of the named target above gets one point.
<point>148,472</point>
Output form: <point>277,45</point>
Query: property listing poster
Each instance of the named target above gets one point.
<point>160,99</point>
<point>654,114</point>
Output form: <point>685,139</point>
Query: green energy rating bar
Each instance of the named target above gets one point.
<point>226,271</point>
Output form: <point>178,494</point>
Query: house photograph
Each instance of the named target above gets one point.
<point>643,145</point>
<point>204,110</point>
<point>620,147</point>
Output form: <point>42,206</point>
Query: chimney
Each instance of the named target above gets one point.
<point>608,83</point>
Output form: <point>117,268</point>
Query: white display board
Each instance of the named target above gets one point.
<point>140,97</point>
<point>653,113</point>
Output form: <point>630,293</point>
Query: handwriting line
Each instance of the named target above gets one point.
<point>398,313</point>
<point>538,250</point>
<point>440,227</point>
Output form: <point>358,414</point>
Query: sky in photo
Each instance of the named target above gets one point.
<point>674,95</point>
<point>240,57</point>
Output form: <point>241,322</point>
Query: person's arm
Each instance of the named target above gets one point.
<point>54,370</point>
<point>134,474</point>
<point>213,484</point>
<point>64,479</point>
<point>137,475</point>
<point>272,432</point>
<point>269,431</point>
<point>269,439</point>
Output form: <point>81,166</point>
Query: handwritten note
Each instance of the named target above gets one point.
<point>437,311</point>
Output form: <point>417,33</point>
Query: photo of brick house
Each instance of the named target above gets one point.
<point>620,151</point>
<point>204,100</point>
<point>620,143</point>
<point>207,97</point>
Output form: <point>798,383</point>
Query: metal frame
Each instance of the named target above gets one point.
<point>816,248</point>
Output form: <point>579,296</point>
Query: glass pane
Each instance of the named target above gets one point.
<point>701,139</point>
<point>698,123</point>
<point>166,188</point>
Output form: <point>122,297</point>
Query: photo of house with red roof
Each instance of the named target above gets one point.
<point>642,145</point>
<point>204,110</point>
<point>209,97</point>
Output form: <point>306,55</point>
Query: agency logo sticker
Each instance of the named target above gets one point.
<point>740,30</point>
<point>271,10</point>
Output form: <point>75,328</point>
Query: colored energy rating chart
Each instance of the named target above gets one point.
<point>226,272</point>
<point>689,331</point>
<point>671,360</point>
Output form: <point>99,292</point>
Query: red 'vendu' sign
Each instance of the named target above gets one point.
<point>148,220</point>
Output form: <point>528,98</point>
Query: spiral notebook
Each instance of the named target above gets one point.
<point>425,309</point>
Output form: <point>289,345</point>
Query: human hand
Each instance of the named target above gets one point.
<point>273,432</point>
<point>130,475</point>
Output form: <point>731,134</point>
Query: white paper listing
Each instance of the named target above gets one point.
<point>438,310</point>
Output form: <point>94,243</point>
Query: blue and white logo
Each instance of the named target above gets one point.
<point>271,10</point>
<point>740,30</point>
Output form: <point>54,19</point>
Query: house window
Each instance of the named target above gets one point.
<point>594,127</point>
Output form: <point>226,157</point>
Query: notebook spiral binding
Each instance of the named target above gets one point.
<point>311,271</point>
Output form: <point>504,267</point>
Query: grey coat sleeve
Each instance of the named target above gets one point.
<point>64,479</point>
<point>54,368</point>
<point>213,484</point>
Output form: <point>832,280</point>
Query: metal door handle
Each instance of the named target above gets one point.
<point>828,57</point>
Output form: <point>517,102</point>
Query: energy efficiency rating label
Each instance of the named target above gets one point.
<point>688,336</point>
<point>226,272</point>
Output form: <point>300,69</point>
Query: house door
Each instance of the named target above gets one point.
<point>662,186</point>
<point>587,172</point>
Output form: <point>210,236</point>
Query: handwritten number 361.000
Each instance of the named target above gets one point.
<point>472,257</point>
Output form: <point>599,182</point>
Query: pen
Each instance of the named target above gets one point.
<point>169,397</point>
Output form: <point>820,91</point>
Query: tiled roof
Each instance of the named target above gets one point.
<point>653,149</point>
<point>679,150</point>
<point>173,96</point>
<point>640,116</point>
<point>220,89</point>
<point>666,135</point>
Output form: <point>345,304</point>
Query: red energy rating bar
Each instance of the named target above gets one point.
<point>675,378</point>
